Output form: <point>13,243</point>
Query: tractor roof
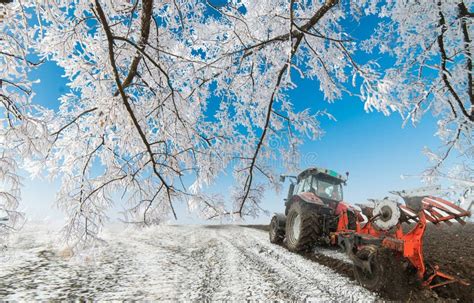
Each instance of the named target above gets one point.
<point>320,170</point>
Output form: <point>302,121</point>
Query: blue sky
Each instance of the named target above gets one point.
<point>373,148</point>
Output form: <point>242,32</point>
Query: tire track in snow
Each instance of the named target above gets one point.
<point>331,257</point>
<point>245,278</point>
<point>209,267</point>
<point>186,263</point>
<point>43,275</point>
<point>306,277</point>
<point>164,263</point>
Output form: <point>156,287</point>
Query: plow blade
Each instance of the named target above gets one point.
<point>436,210</point>
<point>409,215</point>
<point>450,210</point>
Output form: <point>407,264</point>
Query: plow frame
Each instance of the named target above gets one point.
<point>409,244</point>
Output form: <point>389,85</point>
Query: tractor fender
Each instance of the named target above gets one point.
<point>309,197</point>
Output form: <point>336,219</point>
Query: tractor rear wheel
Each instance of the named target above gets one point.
<point>277,233</point>
<point>374,280</point>
<point>302,228</point>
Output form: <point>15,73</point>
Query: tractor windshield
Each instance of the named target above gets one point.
<point>326,187</point>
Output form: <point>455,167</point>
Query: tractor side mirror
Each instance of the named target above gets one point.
<point>347,178</point>
<point>282,178</point>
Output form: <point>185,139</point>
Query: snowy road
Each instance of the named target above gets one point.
<point>186,263</point>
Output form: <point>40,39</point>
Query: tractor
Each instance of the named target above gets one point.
<point>312,209</point>
<point>316,214</point>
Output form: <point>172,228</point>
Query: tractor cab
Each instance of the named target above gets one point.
<point>324,183</point>
<point>319,184</point>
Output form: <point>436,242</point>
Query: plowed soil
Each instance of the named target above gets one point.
<point>452,249</point>
<point>449,247</point>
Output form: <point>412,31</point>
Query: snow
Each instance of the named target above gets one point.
<point>333,253</point>
<point>185,263</point>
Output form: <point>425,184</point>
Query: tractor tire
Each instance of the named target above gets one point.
<point>302,226</point>
<point>377,279</point>
<point>276,232</point>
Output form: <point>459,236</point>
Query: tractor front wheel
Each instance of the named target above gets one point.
<point>302,229</point>
<point>277,231</point>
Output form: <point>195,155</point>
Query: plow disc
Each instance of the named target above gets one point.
<point>386,214</point>
<point>375,276</point>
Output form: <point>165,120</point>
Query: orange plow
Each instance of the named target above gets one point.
<point>383,230</point>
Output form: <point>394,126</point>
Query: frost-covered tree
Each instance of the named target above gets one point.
<point>23,129</point>
<point>165,96</point>
<point>462,178</point>
<point>431,42</point>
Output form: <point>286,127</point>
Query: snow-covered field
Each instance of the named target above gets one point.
<point>185,263</point>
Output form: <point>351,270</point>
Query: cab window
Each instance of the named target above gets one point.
<point>299,187</point>
<point>307,184</point>
<point>304,185</point>
<point>314,185</point>
<point>328,188</point>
